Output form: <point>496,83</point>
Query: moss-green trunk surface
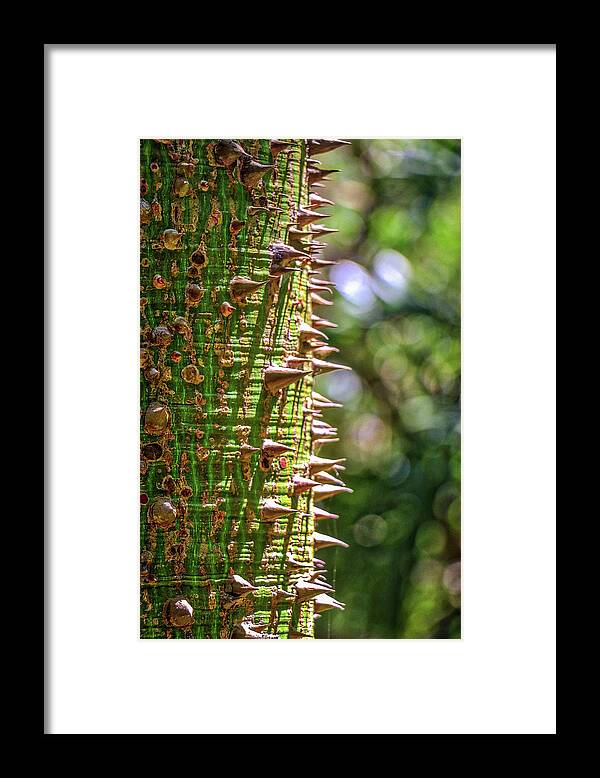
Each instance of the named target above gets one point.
<point>203,396</point>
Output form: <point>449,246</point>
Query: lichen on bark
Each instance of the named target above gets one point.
<point>226,389</point>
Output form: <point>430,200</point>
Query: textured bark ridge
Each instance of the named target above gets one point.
<point>230,427</point>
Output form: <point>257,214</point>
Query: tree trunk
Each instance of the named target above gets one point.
<point>227,521</point>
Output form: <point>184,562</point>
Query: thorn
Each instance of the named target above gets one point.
<point>324,351</point>
<point>318,174</point>
<point>310,411</point>
<point>319,288</point>
<point>301,485</point>
<point>314,578</point>
<point>319,202</point>
<point>320,441</point>
<point>321,229</point>
<point>252,171</point>
<point>319,427</point>
<point>276,378</point>
<point>270,510</point>
<point>320,464</point>
<point>306,216</point>
<point>327,478</point>
<point>316,574</point>
<point>323,146</point>
<point>238,586</point>
<point>325,492</point>
<point>297,236</point>
<point>326,541</point>
<point>308,590</point>
<point>322,399</point>
<point>322,281</point>
<point>325,425</point>
<point>228,151</point>
<point>320,366</point>
<point>315,245</point>
<point>306,332</point>
<point>320,514</point>
<point>323,602</point>
<point>177,612</point>
<point>272,448</point>
<point>322,323</point>
<point>318,563</point>
<point>318,300</point>
<point>322,262</point>
<point>322,432</point>
<point>241,287</point>
<point>282,253</point>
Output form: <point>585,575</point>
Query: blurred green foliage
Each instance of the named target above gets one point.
<point>398,310</point>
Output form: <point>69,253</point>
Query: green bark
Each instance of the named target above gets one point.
<point>209,215</point>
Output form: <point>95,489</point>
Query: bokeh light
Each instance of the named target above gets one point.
<point>398,315</point>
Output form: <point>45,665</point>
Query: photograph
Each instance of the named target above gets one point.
<point>300,388</point>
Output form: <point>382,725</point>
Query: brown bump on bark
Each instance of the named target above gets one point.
<point>177,612</point>
<point>156,418</point>
<point>162,513</point>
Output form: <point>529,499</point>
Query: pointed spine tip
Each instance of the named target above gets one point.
<point>276,378</point>
<point>319,366</point>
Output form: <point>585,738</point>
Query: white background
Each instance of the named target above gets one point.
<point>499,678</point>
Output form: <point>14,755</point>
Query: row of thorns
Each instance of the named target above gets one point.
<point>311,584</point>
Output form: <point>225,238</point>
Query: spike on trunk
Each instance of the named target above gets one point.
<point>327,541</point>
<point>305,216</point>
<point>324,351</point>
<point>271,448</point>
<point>306,332</point>
<point>324,492</point>
<point>320,229</point>
<point>307,590</point>
<point>241,287</point>
<point>320,323</point>
<point>323,146</point>
<point>271,510</point>
<point>327,478</point>
<point>316,299</point>
<point>319,366</point>
<point>319,514</point>
<point>316,201</point>
<point>324,602</point>
<point>252,171</point>
<point>276,378</point>
<point>301,485</point>
<point>237,586</point>
<point>319,464</point>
